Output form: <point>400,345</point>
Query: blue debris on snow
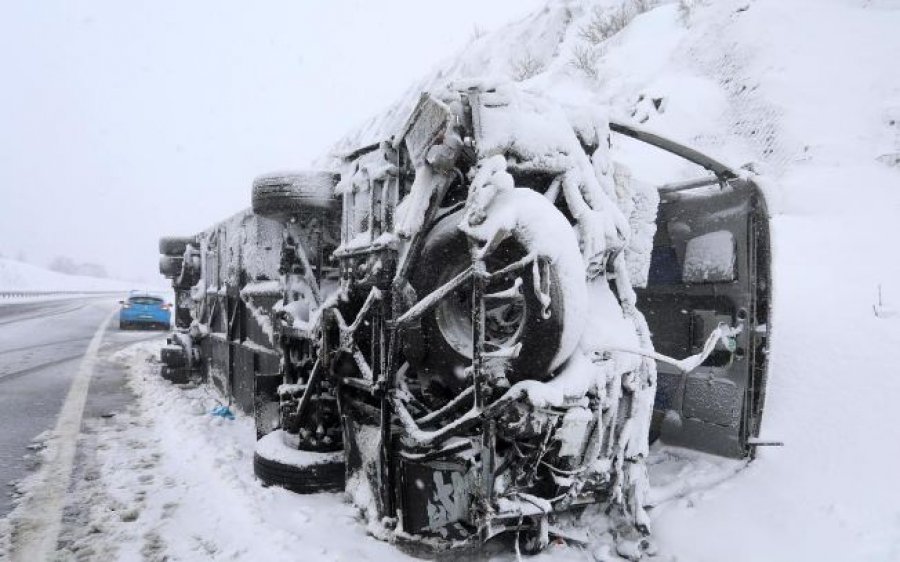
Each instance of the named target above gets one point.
<point>222,412</point>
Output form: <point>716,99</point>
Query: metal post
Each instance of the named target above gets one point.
<point>384,382</point>
<point>487,429</point>
<point>478,282</point>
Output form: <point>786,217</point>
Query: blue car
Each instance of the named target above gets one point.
<point>144,310</point>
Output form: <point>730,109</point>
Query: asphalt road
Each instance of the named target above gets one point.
<point>41,345</point>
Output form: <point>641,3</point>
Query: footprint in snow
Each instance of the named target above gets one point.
<point>168,509</point>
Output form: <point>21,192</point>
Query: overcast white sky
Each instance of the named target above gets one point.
<point>124,121</point>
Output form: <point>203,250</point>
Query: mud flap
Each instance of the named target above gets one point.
<point>266,403</point>
<point>362,450</point>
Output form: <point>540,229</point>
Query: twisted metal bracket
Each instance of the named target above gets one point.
<point>347,339</point>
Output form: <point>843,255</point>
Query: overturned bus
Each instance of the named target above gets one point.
<point>477,325</point>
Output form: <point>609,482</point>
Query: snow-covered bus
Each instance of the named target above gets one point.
<point>477,324</point>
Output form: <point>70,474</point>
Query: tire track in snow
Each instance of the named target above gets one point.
<point>38,524</point>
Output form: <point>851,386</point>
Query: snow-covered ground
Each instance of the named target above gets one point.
<point>167,480</point>
<point>807,89</point>
<point>20,276</point>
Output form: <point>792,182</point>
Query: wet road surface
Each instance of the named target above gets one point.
<point>41,345</point>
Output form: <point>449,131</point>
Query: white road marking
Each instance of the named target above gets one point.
<point>40,519</point>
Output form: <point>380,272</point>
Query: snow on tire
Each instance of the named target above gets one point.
<point>303,472</point>
<point>278,196</point>
<point>443,346</point>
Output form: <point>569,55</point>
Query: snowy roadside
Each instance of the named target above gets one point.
<point>165,480</point>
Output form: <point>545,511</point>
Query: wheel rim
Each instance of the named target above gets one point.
<point>505,312</point>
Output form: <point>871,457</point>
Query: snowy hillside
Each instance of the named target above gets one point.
<point>19,276</point>
<point>808,91</point>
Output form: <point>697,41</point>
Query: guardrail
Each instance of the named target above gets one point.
<point>19,294</point>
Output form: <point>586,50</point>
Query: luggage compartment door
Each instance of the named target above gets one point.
<point>710,265</point>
